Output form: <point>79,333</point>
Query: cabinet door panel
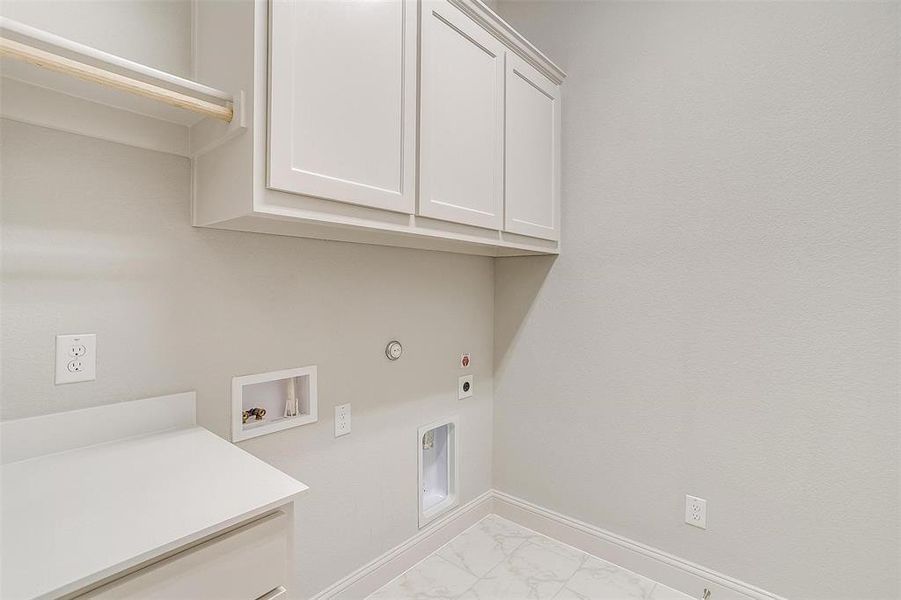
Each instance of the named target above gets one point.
<point>532,191</point>
<point>342,100</point>
<point>245,563</point>
<point>462,124</point>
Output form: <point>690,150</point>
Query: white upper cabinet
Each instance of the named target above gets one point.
<point>462,119</point>
<point>532,190</point>
<point>414,123</point>
<point>342,101</point>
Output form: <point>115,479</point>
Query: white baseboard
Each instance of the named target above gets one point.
<point>672,571</point>
<point>392,563</point>
<point>675,572</point>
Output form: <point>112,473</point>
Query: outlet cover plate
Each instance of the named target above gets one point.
<point>342,420</point>
<point>465,386</point>
<point>696,511</point>
<point>76,358</point>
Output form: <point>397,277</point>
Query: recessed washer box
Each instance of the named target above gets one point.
<point>439,457</point>
<point>288,397</point>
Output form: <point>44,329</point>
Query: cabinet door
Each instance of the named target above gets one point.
<point>462,123</point>
<point>532,190</point>
<point>342,100</point>
<point>246,563</point>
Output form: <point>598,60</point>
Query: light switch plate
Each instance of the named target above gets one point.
<point>342,420</point>
<point>76,358</point>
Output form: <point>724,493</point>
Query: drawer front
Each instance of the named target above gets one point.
<point>244,564</point>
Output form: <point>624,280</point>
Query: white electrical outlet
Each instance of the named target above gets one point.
<point>696,511</point>
<point>76,358</point>
<point>342,420</point>
<point>464,387</point>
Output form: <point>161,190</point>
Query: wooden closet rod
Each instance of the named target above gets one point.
<point>74,68</point>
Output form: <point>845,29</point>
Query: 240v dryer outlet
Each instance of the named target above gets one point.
<point>465,387</point>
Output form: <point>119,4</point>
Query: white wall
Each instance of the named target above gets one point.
<point>155,32</point>
<point>97,238</point>
<point>724,318</point>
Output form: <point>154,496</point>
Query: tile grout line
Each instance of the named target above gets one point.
<point>498,563</point>
<point>582,560</point>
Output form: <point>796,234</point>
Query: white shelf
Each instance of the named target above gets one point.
<point>277,423</point>
<point>56,82</point>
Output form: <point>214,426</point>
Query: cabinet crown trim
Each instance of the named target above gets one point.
<point>511,38</point>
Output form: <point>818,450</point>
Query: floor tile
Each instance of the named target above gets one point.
<point>433,578</point>
<point>662,592</point>
<point>567,594</point>
<point>600,580</point>
<point>558,547</point>
<point>497,559</point>
<point>481,547</point>
<point>533,571</point>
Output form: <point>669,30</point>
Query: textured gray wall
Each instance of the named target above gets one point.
<point>97,238</point>
<point>724,318</point>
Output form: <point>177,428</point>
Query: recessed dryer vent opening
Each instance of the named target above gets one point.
<point>438,458</point>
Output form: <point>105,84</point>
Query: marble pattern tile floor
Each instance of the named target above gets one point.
<point>496,559</point>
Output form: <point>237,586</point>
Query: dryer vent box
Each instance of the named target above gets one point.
<point>438,462</point>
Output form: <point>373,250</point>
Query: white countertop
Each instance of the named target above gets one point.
<point>75,517</point>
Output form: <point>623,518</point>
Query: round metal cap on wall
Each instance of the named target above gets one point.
<point>393,350</point>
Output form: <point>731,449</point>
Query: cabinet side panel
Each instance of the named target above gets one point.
<point>224,58</point>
